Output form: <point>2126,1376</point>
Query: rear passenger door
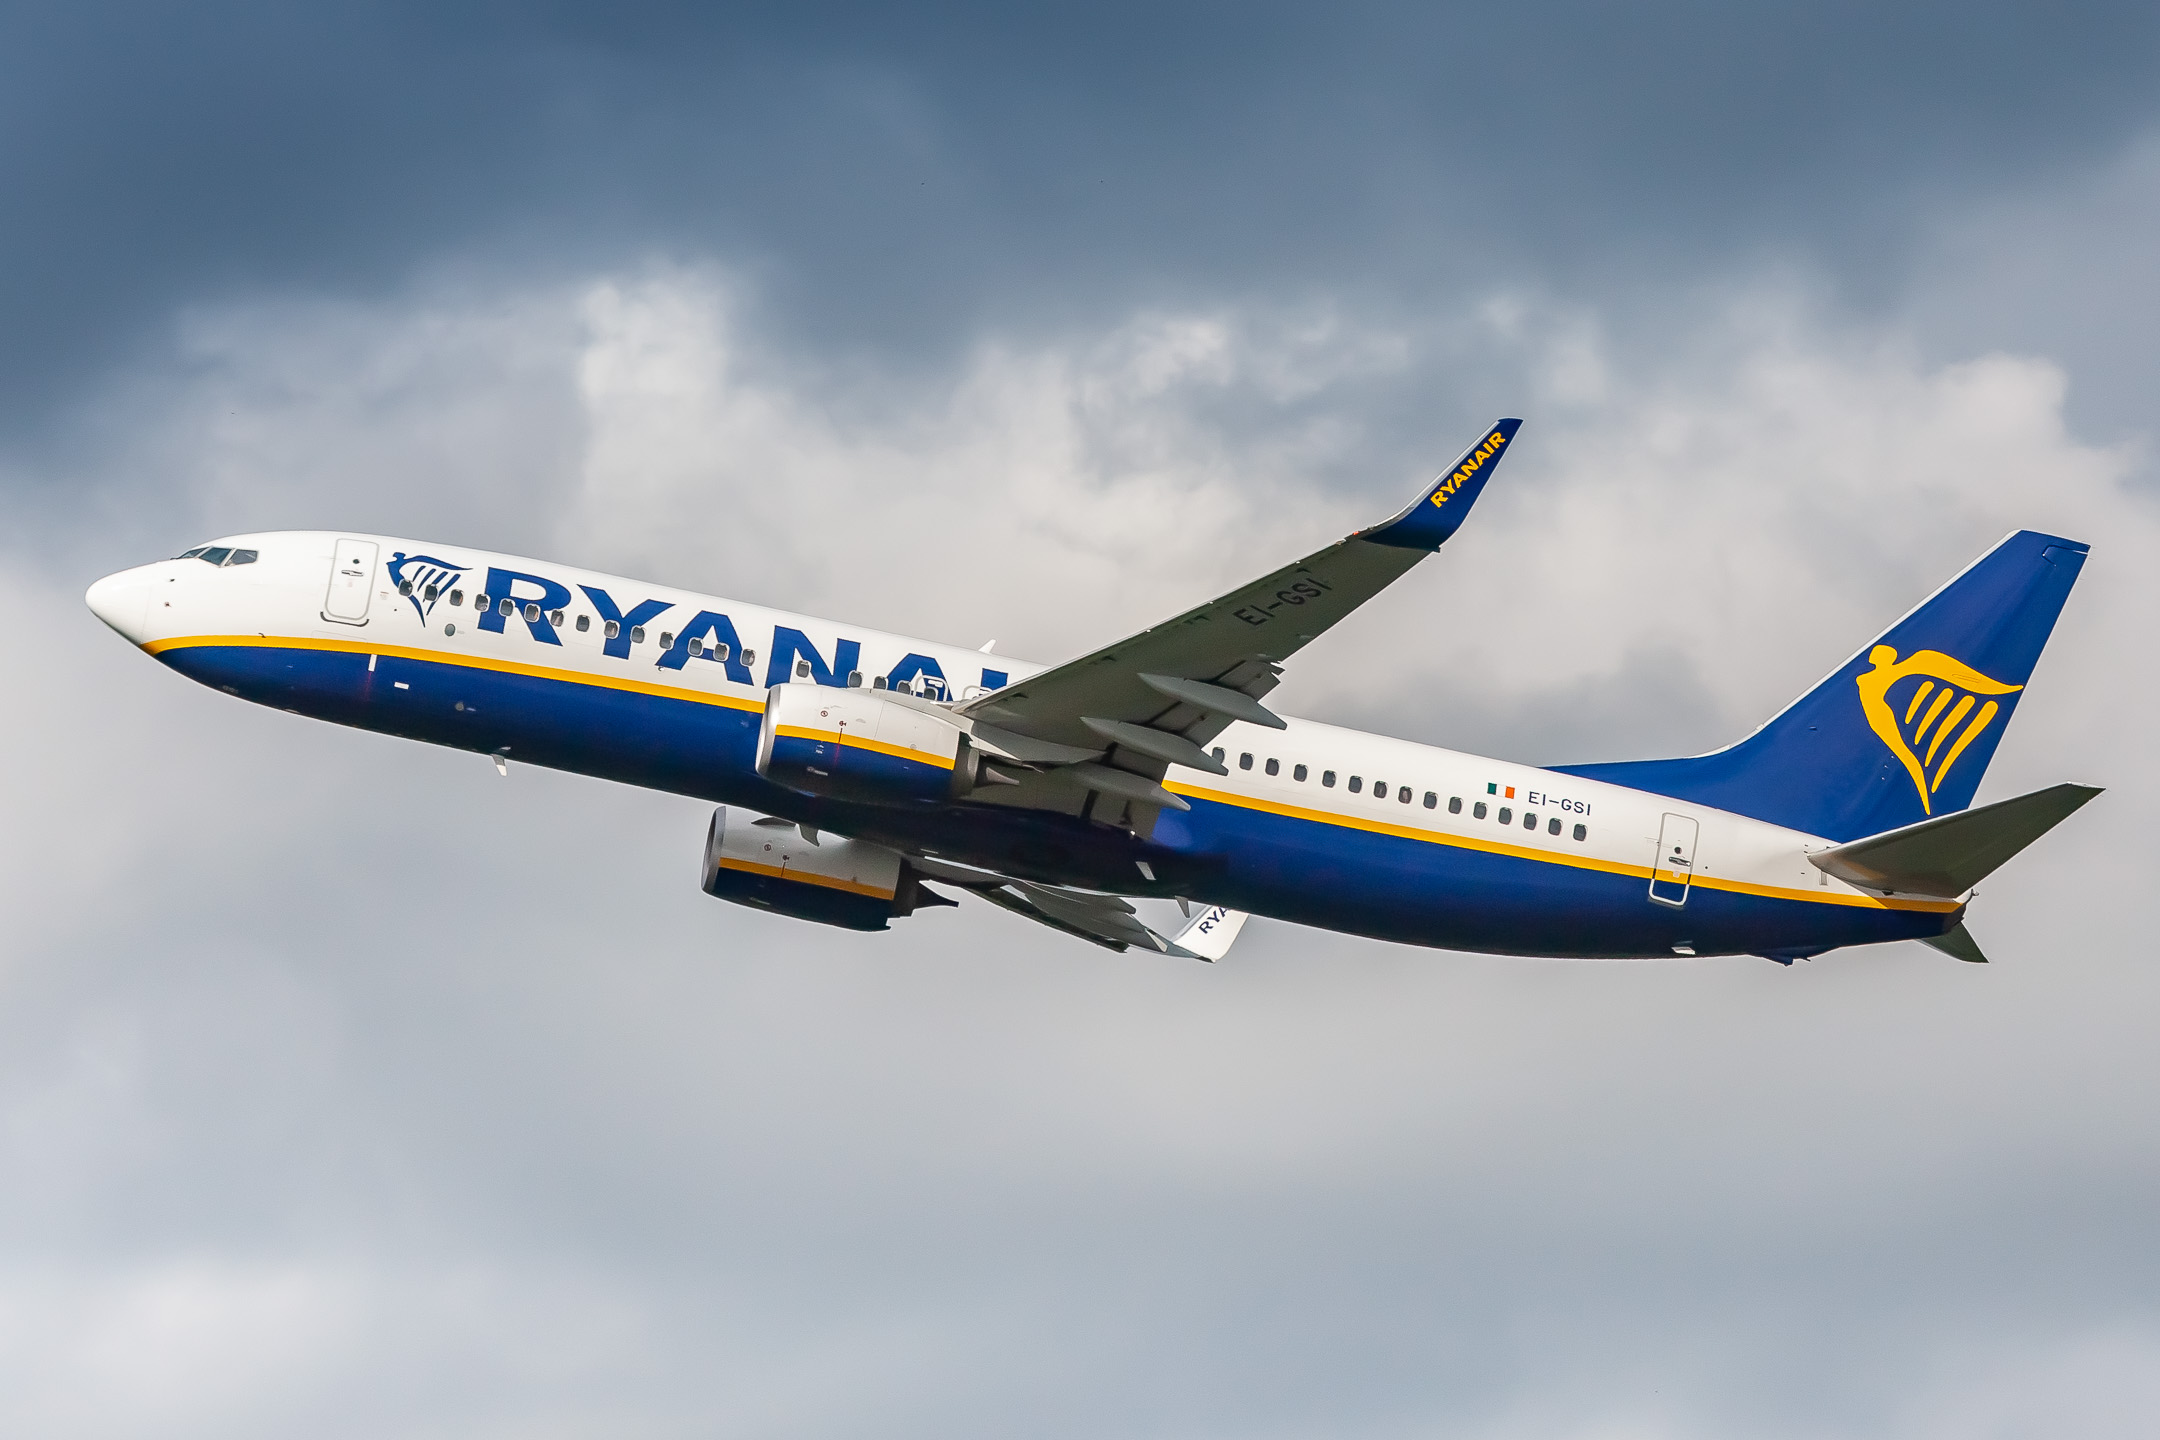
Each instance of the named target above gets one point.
<point>1674,866</point>
<point>352,581</point>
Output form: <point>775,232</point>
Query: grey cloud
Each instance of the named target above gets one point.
<point>905,178</point>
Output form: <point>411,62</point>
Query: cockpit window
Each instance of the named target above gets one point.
<point>220,555</point>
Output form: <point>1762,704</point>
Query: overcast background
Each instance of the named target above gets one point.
<point>349,1090</point>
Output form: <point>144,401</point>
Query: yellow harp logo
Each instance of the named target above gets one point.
<point>1937,712</point>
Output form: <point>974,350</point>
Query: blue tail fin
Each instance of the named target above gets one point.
<point>1903,730</point>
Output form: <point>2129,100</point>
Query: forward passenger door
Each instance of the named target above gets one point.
<point>352,581</point>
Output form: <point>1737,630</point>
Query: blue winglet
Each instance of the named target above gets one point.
<point>1440,511</point>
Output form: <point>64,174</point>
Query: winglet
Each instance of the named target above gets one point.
<point>1210,936</point>
<point>1440,511</point>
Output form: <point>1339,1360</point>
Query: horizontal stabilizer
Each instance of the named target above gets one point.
<point>1958,944</point>
<point>1947,856</point>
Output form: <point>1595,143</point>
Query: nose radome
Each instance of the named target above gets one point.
<point>120,601</point>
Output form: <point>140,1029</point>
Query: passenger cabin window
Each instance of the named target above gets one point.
<point>1217,752</point>
<point>532,614</point>
<point>1552,826</point>
<point>1244,761</point>
<point>1529,821</point>
<point>697,647</point>
<point>667,639</point>
<point>802,669</point>
<point>1402,793</point>
<point>1299,773</point>
<point>612,629</point>
<point>554,617</point>
<point>457,597</point>
<point>1274,767</point>
<point>584,623</point>
<point>720,651</point>
<point>1454,805</point>
<point>1477,811</point>
<point>506,605</point>
<point>637,634</point>
<point>404,587</point>
<point>1379,790</point>
<point>1432,801</point>
<point>854,679</point>
<point>1507,816</point>
<point>431,593</point>
<point>1327,777</point>
<point>877,682</point>
<point>1357,783</point>
<point>480,601</point>
<point>1582,832</point>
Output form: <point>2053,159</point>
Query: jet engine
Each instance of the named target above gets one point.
<point>863,745</point>
<point>835,881</point>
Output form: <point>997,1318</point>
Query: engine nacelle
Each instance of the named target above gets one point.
<point>856,744</point>
<point>835,881</point>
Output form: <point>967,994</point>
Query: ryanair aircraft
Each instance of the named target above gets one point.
<point>858,771</point>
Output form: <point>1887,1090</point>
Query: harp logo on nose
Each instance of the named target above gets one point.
<point>1937,715</point>
<point>423,578</point>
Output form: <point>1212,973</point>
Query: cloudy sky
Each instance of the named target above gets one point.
<point>349,1090</point>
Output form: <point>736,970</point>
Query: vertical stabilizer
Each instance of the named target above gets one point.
<point>1903,731</point>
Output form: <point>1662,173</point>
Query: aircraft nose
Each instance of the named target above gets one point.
<point>120,600</point>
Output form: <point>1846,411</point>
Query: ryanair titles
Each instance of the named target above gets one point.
<point>1472,463</point>
<point>544,606</point>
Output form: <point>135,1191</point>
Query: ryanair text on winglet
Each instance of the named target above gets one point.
<point>1469,467</point>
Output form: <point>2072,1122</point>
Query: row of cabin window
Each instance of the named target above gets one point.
<point>928,684</point>
<point>1404,793</point>
<point>613,628</point>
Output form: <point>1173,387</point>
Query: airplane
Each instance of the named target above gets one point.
<point>861,777</point>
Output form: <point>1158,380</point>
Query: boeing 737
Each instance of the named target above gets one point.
<point>862,777</point>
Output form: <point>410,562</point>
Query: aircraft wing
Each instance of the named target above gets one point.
<point>1156,698</point>
<point>1105,920</point>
